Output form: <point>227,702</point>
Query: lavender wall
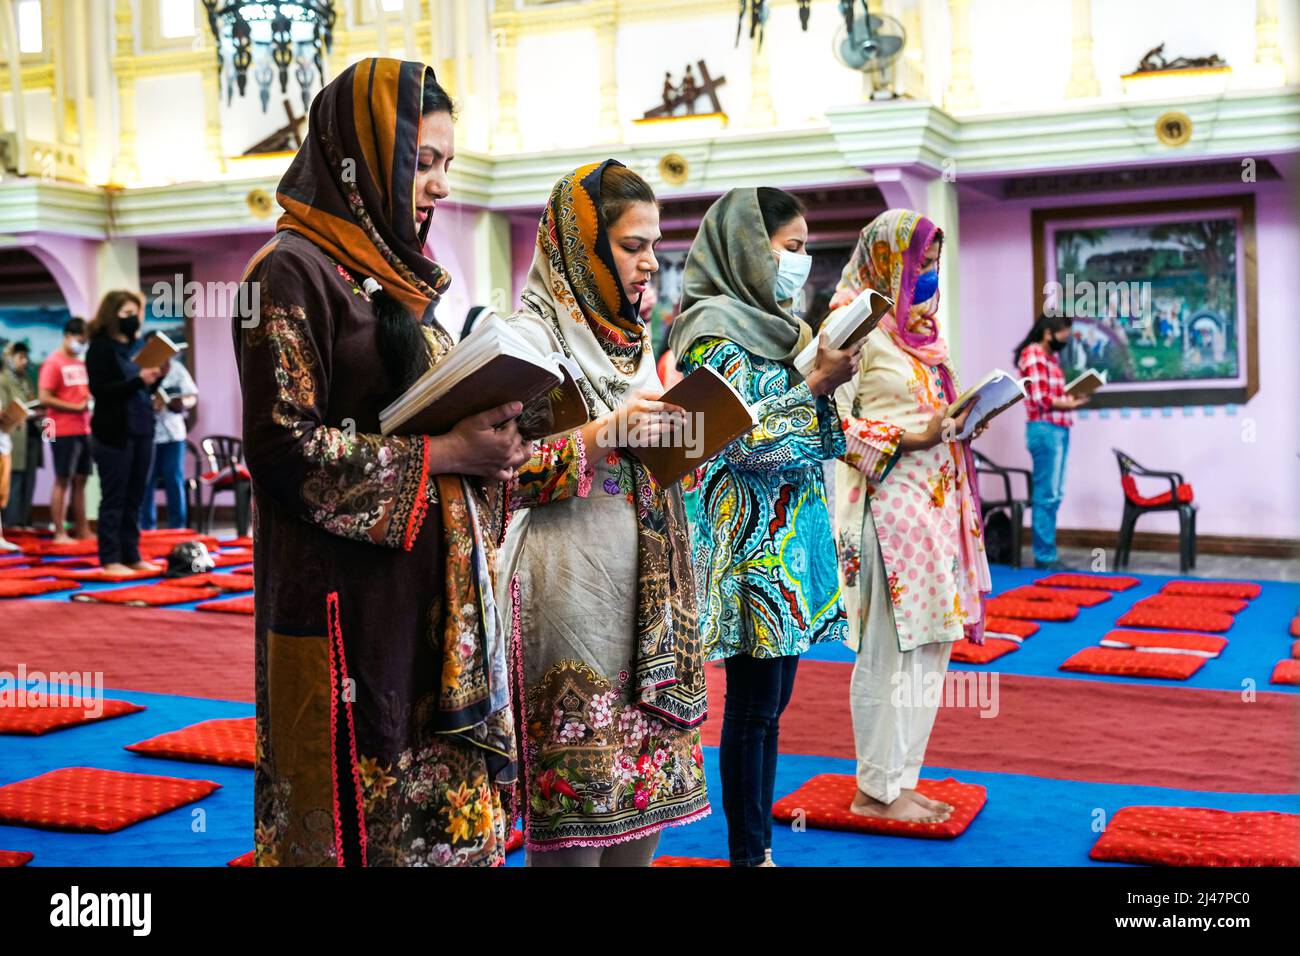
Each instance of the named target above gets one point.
<point>1243,486</point>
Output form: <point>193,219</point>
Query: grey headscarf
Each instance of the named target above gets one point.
<point>729,285</point>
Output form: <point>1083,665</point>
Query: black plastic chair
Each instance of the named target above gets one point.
<point>1013,506</point>
<point>1177,498</point>
<point>226,472</point>
<point>193,487</point>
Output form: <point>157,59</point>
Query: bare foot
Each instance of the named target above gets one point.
<point>62,538</point>
<point>900,809</point>
<point>116,568</point>
<point>934,806</point>
<point>144,566</point>
<point>83,534</point>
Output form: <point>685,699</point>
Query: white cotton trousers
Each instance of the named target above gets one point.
<point>891,692</point>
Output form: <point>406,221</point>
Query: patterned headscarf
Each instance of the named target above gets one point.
<point>887,258</point>
<point>573,303</point>
<point>351,191</point>
<point>351,187</point>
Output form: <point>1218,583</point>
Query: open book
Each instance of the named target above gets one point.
<point>16,412</point>
<point>1086,383</point>
<point>716,416</point>
<point>994,393</point>
<point>846,326</point>
<point>156,351</point>
<point>493,365</point>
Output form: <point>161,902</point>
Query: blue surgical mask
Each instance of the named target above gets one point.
<point>927,284</point>
<point>792,270</point>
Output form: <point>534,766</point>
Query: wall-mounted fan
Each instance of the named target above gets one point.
<point>872,44</point>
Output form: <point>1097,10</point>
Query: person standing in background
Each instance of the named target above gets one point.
<point>1049,412</point>
<point>175,397</point>
<point>64,390</point>
<point>28,453</point>
<point>122,429</point>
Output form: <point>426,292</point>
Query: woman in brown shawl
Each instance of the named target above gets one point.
<point>384,728</point>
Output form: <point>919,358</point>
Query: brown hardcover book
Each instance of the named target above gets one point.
<point>1086,383</point>
<point>505,378</point>
<point>846,326</point>
<point>156,351</point>
<point>13,414</point>
<point>557,410</point>
<point>718,415</point>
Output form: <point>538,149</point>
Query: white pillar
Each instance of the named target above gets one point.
<point>1269,69</point>
<point>608,127</point>
<point>941,209</point>
<point>492,261</point>
<point>9,38</point>
<point>1083,74</point>
<point>117,266</point>
<point>761,112</point>
<point>505,136</point>
<point>960,94</point>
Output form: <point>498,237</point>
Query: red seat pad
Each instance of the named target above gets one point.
<point>1031,610</point>
<point>225,477</point>
<point>1183,493</point>
<point>1100,582</point>
<point>1206,645</point>
<point>1079,597</point>
<point>235,605</point>
<point>1186,602</point>
<point>244,859</point>
<point>244,542</point>
<point>226,582</point>
<point>149,595</point>
<point>1295,649</point>
<point>687,861</point>
<point>515,841</point>
<point>88,800</point>
<point>86,546</point>
<point>1211,621</point>
<point>824,802</point>
<point>968,652</point>
<point>1232,589</point>
<point>1287,671</point>
<point>14,857</point>
<point>1295,626</point>
<point>98,574</point>
<point>14,560</point>
<point>1118,663</point>
<point>15,589</point>
<point>1191,836</point>
<point>28,574</point>
<point>232,558</point>
<point>1008,625</point>
<point>33,721</point>
<point>230,741</point>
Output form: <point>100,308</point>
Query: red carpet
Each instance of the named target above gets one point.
<point>146,649</point>
<point>1191,836</point>
<point>1101,732</point>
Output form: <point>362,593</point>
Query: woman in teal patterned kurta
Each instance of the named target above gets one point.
<point>764,554</point>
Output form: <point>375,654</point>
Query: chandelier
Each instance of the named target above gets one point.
<point>269,37</point>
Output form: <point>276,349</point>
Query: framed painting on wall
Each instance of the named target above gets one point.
<point>1162,294</point>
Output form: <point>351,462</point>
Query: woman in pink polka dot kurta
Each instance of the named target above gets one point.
<point>912,568</point>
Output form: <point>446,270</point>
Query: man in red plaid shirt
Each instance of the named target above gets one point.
<point>1050,413</point>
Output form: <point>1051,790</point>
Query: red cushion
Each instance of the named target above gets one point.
<point>1295,627</point>
<point>1232,589</point>
<point>1079,597</point>
<point>224,478</point>
<point>87,546</point>
<point>515,841</point>
<point>687,861</point>
<point>1006,625</point>
<point>29,574</point>
<point>1183,493</point>
<point>1186,602</point>
<point>34,720</point>
<point>1287,671</point>
<point>14,560</point>
<point>968,652</point>
<point>1295,649</point>
<point>235,605</point>
<point>232,558</point>
<point>149,595</point>
<point>230,741</point>
<point>823,802</point>
<point>97,574</point>
<point>1206,645</point>
<point>14,857</point>
<point>1031,610</point>
<point>1118,663</point>
<point>1191,836</point>
<point>245,541</point>
<point>226,582</point>
<point>87,800</point>
<point>1101,582</point>
<point>244,859</point>
<point>13,589</point>
<point>1172,620</point>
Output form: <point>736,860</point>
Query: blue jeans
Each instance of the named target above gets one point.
<point>169,469</point>
<point>758,690</point>
<point>1048,445</point>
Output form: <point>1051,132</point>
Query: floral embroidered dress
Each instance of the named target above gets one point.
<point>596,564</point>
<point>384,717</point>
<point>764,560</point>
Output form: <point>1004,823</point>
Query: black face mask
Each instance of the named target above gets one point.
<point>1058,345</point>
<point>129,326</point>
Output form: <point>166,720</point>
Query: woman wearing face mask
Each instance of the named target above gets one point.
<point>597,559</point>
<point>121,429</point>
<point>1049,413</point>
<point>907,513</point>
<point>764,556</point>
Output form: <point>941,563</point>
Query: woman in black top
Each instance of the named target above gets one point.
<point>121,429</point>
